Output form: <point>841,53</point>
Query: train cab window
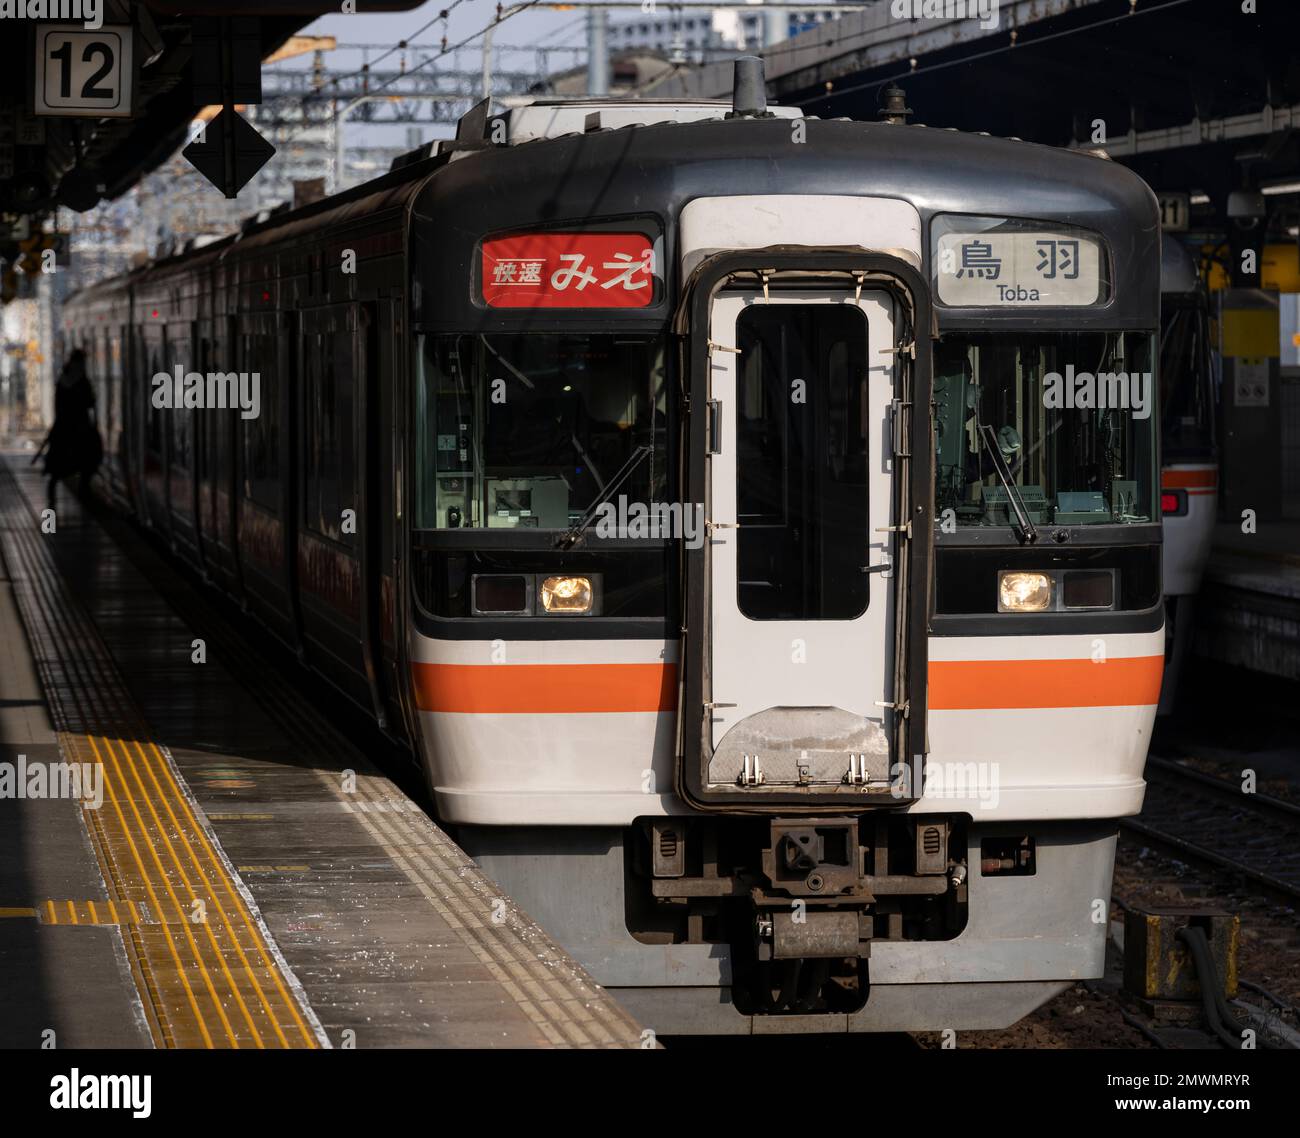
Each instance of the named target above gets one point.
<point>528,431</point>
<point>1067,418</point>
<point>801,465</point>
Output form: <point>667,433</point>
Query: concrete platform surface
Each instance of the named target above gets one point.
<point>332,910</point>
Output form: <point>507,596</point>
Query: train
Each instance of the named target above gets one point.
<point>1189,476</point>
<point>750,523</point>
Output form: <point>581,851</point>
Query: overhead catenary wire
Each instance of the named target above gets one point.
<point>770,53</point>
<point>1015,43</point>
<point>401,44</point>
<point>500,18</point>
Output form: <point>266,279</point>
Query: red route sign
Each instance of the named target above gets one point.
<point>568,270</point>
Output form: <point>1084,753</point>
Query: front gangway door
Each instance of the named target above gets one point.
<point>801,502</point>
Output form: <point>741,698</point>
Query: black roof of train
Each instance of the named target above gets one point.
<point>644,170</point>
<point>654,170</point>
<point>652,167</point>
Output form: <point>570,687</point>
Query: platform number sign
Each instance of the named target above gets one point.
<point>1175,212</point>
<point>86,73</point>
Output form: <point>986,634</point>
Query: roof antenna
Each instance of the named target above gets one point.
<point>894,108</point>
<point>749,90</point>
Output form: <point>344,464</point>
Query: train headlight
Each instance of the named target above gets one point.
<point>1024,592</point>
<point>570,596</point>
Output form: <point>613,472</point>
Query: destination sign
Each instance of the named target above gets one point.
<point>568,270</point>
<point>1018,268</point>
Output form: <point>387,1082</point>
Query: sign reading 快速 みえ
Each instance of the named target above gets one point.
<point>1015,268</point>
<point>568,270</point>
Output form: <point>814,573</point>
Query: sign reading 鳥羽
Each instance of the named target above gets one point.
<point>1011,269</point>
<point>568,270</point>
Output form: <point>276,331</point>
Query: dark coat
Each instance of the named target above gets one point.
<point>74,445</point>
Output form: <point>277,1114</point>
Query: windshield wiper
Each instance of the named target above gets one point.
<point>570,537</point>
<point>1022,527</point>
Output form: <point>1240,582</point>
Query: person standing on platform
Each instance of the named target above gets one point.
<point>73,445</point>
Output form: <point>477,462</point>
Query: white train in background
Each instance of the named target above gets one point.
<point>1189,477</point>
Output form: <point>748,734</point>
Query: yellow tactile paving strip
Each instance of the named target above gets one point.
<point>206,965</point>
<point>206,972</point>
<point>69,912</point>
<point>178,967</point>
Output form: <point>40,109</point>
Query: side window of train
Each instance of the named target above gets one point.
<point>328,423</point>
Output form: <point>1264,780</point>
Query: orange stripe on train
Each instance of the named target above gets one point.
<point>1189,479</point>
<point>545,688</point>
<point>955,685</point>
<point>970,685</point>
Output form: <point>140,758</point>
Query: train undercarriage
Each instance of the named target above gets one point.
<point>799,900</point>
<point>717,948</point>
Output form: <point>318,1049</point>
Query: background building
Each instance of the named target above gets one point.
<point>693,35</point>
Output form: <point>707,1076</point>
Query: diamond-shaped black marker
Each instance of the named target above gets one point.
<point>230,152</point>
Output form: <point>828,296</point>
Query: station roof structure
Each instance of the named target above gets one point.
<point>1193,94</point>
<point>47,160</point>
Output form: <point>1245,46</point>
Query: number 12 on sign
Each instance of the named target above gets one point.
<point>86,73</point>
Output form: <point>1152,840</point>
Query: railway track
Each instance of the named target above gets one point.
<point>1213,822</point>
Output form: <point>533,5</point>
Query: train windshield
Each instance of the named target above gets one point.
<point>529,431</point>
<point>1186,380</point>
<point>1072,414</point>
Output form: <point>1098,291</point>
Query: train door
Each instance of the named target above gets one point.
<point>154,458</point>
<point>135,401</point>
<point>381,328</point>
<point>103,384</point>
<point>264,491</point>
<point>200,462</point>
<point>228,480</point>
<point>126,446</point>
<point>371,514</point>
<point>113,431</point>
<point>800,503</point>
<point>331,528</point>
<point>291,363</point>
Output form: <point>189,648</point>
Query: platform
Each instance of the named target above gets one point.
<point>248,878</point>
<point>1248,610</point>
